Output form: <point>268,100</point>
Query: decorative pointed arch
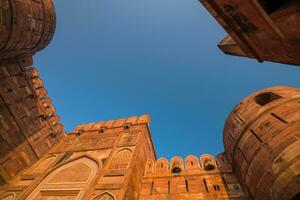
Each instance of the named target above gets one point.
<point>208,162</point>
<point>69,180</point>
<point>176,164</point>
<point>43,164</point>
<point>10,196</point>
<point>161,165</point>
<point>191,162</point>
<point>149,166</point>
<point>105,196</point>
<point>121,159</point>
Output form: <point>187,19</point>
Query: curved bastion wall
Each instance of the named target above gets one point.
<point>262,142</point>
<point>26,26</point>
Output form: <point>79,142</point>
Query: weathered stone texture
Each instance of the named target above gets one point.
<point>261,29</point>
<point>262,142</point>
<point>29,126</point>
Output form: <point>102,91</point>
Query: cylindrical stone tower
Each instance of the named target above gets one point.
<point>26,26</point>
<point>262,142</point>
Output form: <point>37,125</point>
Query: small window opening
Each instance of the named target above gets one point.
<point>279,118</point>
<point>151,189</point>
<point>216,187</point>
<point>256,136</point>
<point>126,127</point>
<point>192,163</point>
<point>265,98</point>
<point>101,130</point>
<point>79,132</point>
<point>205,185</point>
<point>225,183</point>
<point>176,168</point>
<point>187,185</point>
<point>208,165</point>
<point>161,165</point>
<point>169,187</point>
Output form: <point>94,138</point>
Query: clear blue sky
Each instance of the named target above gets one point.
<point>112,59</point>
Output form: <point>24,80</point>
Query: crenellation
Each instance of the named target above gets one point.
<point>191,181</point>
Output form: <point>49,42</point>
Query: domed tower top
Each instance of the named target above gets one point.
<point>262,143</point>
<point>251,108</point>
<point>26,26</point>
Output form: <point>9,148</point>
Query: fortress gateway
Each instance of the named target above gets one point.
<point>116,159</point>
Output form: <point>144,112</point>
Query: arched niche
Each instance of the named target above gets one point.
<point>161,165</point>
<point>191,162</point>
<point>105,196</point>
<point>266,98</point>
<point>208,162</point>
<point>68,181</point>
<point>121,159</point>
<point>176,164</point>
<point>149,166</point>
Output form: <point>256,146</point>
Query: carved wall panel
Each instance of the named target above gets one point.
<point>11,196</point>
<point>105,196</point>
<point>80,143</point>
<point>69,181</point>
<point>121,159</point>
<point>128,139</point>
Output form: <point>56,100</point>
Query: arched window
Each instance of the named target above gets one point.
<point>161,164</point>
<point>191,162</point>
<point>105,196</point>
<point>149,166</point>
<point>209,165</point>
<point>176,164</point>
<point>208,162</point>
<point>265,98</point>
<point>121,159</point>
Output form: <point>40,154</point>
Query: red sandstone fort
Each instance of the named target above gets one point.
<point>116,160</point>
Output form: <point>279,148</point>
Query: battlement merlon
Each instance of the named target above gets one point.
<point>144,119</point>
